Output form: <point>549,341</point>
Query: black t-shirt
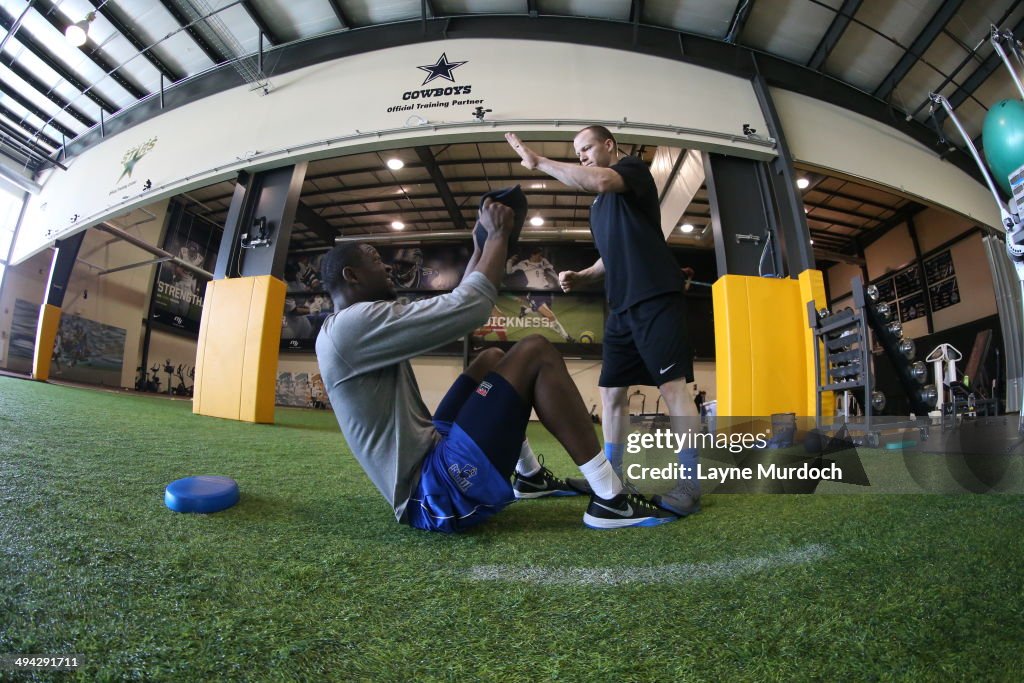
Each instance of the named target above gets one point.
<point>627,231</point>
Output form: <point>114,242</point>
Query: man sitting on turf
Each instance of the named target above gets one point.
<point>452,471</point>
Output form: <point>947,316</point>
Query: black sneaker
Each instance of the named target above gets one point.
<point>579,484</point>
<point>540,485</point>
<point>625,509</point>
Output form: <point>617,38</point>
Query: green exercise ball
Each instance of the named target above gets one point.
<point>1003,137</point>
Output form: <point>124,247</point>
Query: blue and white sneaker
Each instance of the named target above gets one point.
<point>624,510</point>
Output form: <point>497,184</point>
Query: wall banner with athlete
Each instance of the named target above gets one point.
<point>439,267</point>
<point>530,302</point>
<point>178,296</point>
<point>83,351</point>
<point>306,303</point>
<point>560,318</point>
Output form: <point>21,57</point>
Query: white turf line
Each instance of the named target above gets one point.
<point>669,573</point>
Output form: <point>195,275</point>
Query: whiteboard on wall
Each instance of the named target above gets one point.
<point>391,98</point>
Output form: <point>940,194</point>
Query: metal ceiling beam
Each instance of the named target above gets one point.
<point>340,14</point>
<point>380,186</point>
<point>847,212</point>
<point>23,133</point>
<point>833,34</point>
<point>853,198</point>
<point>917,49</point>
<point>26,156</point>
<point>48,92</point>
<point>109,12</point>
<point>977,77</point>
<point>28,104</point>
<point>348,171</point>
<point>315,222</point>
<point>413,197</point>
<point>636,13</point>
<point>215,55</point>
<point>15,140</point>
<point>91,50</point>
<point>908,211</point>
<point>454,211</point>
<point>829,236</point>
<point>396,185</point>
<point>416,197</point>
<point>471,209</point>
<point>33,46</point>
<point>412,222</point>
<point>28,127</point>
<point>825,255</point>
<point>739,20</point>
<point>468,209</point>
<point>845,224</point>
<point>969,57</point>
<point>261,23</point>
<point>23,139</point>
<point>146,246</point>
<point>421,236</point>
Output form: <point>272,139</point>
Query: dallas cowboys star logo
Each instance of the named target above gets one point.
<point>442,69</point>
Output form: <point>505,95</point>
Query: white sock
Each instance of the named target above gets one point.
<point>558,328</point>
<point>602,477</point>
<point>528,464</point>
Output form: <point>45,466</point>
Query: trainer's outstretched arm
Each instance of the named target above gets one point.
<point>588,178</point>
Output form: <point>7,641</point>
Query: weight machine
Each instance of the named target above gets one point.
<point>1010,214</point>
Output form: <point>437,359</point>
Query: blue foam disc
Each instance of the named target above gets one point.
<point>201,494</point>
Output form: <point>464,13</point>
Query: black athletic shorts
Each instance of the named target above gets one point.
<point>647,344</point>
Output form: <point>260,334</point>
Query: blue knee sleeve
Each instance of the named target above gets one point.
<point>688,459</point>
<point>613,452</point>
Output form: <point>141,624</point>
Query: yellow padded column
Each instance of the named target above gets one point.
<point>46,335</point>
<point>761,347</point>
<point>732,345</point>
<point>239,338</point>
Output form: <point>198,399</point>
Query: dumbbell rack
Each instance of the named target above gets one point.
<point>844,339</point>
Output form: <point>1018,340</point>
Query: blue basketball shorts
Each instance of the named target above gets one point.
<point>465,477</point>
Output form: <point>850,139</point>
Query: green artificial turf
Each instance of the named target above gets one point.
<point>310,578</point>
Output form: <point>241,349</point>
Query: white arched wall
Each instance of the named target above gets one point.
<point>547,89</point>
<point>836,139</point>
<point>354,104</point>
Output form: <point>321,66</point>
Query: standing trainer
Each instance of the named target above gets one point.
<point>451,471</point>
<point>645,336</point>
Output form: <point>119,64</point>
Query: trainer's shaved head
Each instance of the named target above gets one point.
<point>600,133</point>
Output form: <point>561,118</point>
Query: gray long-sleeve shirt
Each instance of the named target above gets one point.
<point>364,353</point>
